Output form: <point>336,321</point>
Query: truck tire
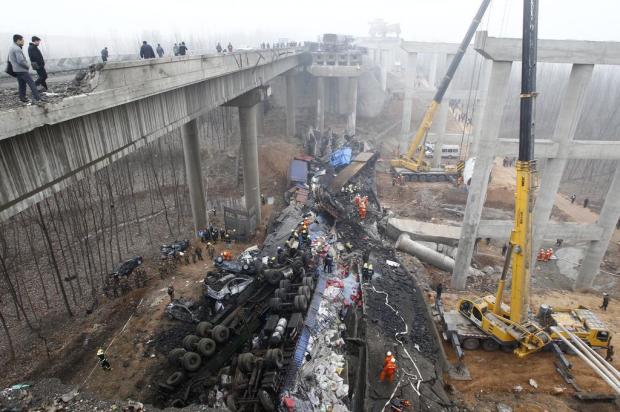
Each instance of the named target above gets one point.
<point>175,379</point>
<point>274,359</point>
<point>305,291</point>
<point>285,283</point>
<point>191,361</point>
<point>220,334</point>
<point>280,293</point>
<point>275,303</point>
<point>206,347</point>
<point>300,303</point>
<point>266,401</point>
<point>489,345</point>
<point>204,329</point>
<point>246,362</point>
<point>308,281</point>
<point>273,276</point>
<point>190,341</point>
<point>175,354</point>
<point>471,343</point>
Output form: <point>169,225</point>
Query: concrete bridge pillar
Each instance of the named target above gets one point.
<point>248,120</point>
<point>476,196</point>
<point>410,79</point>
<point>564,133</point>
<point>191,154</point>
<point>610,213</point>
<point>320,103</point>
<point>352,106</point>
<point>260,119</point>
<point>440,130</point>
<point>290,105</point>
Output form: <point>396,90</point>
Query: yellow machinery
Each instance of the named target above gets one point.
<point>413,165</point>
<point>511,326</point>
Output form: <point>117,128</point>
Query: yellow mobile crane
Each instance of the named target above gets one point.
<point>507,326</point>
<point>412,166</point>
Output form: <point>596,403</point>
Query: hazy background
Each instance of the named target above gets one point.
<point>79,28</point>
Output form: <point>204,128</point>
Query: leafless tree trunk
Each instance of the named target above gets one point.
<point>53,259</point>
<point>35,257</point>
<point>8,336</point>
<point>161,196</point>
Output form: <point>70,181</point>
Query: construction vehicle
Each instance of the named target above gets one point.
<point>496,323</point>
<point>412,165</point>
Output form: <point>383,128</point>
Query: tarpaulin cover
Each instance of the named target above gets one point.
<point>298,171</point>
<point>341,157</point>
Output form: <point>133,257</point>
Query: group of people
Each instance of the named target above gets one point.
<point>147,51</point>
<point>509,161</point>
<point>220,49</point>
<point>19,67</point>
<point>362,205</point>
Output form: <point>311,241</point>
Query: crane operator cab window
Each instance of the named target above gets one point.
<point>602,336</point>
<point>465,308</point>
<point>477,314</point>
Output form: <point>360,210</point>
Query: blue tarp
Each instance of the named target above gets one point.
<point>298,171</point>
<point>341,157</point>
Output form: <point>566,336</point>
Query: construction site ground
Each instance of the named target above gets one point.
<point>495,375</point>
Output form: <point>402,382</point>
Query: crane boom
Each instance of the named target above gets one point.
<point>408,161</point>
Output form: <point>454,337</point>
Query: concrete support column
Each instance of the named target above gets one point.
<point>343,94</point>
<point>564,133</point>
<point>610,213</point>
<point>440,130</point>
<point>191,155</point>
<point>291,95</point>
<point>476,196</point>
<point>260,119</point>
<point>320,103</point>
<point>432,72</point>
<point>249,147</point>
<point>410,79</point>
<point>480,108</point>
<point>383,69</point>
<point>352,106</point>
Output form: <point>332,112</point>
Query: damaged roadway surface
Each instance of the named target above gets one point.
<point>395,313</point>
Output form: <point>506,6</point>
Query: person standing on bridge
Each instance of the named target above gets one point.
<point>160,50</point>
<point>20,70</point>
<point>229,47</point>
<point>182,49</point>
<point>37,62</point>
<point>104,54</point>
<point>175,49</point>
<point>218,47</point>
<point>146,51</point>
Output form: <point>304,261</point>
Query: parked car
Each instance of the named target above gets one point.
<point>182,309</point>
<point>171,249</point>
<point>226,286</point>
<point>127,267</point>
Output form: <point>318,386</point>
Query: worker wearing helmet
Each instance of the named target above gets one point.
<point>103,360</point>
<point>389,368</point>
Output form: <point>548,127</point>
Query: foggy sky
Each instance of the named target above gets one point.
<point>253,21</point>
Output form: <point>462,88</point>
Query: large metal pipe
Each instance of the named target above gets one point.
<point>612,371</point>
<point>428,255</point>
<point>587,360</point>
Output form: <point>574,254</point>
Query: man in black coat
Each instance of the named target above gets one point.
<point>182,49</point>
<point>37,62</point>
<point>146,51</point>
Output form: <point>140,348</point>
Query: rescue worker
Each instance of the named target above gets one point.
<point>371,270</point>
<point>185,257</point>
<point>605,301</point>
<point>272,262</point>
<point>103,360</point>
<point>572,198</point>
<point>171,292</point>
<point>293,235</point>
<point>199,252</point>
<point>609,357</point>
<point>227,238</point>
<point>389,368</point>
<point>210,249</point>
<point>541,255</point>
<point>281,256</point>
<point>357,199</point>
<point>548,255</point>
<point>365,270</point>
<point>328,262</point>
<point>362,211</point>
<point>438,290</point>
<point>194,256</point>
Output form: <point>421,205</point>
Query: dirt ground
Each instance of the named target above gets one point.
<point>488,386</point>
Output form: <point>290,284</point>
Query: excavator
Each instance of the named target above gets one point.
<point>412,165</point>
<point>497,324</point>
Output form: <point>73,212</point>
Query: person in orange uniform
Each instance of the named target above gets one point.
<point>548,255</point>
<point>541,255</point>
<point>389,368</point>
<point>357,199</point>
<point>362,211</point>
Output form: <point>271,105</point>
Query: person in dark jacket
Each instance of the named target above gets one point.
<point>229,47</point>
<point>160,50</point>
<point>182,49</point>
<point>37,62</point>
<point>104,54</point>
<point>218,47</point>
<point>146,51</point>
